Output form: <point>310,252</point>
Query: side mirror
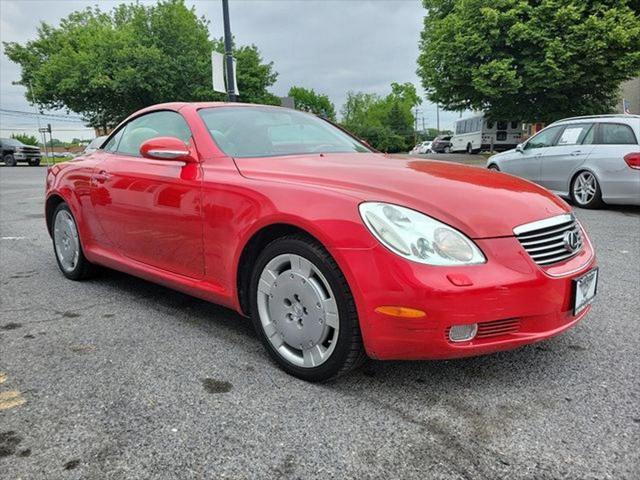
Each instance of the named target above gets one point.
<point>166,148</point>
<point>520,148</point>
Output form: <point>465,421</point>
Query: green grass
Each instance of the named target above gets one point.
<point>53,160</point>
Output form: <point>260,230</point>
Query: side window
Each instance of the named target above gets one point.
<point>502,125</point>
<point>573,134</point>
<point>545,138</point>
<point>514,125</point>
<point>155,124</point>
<point>616,134</point>
<point>589,136</point>
<point>112,144</point>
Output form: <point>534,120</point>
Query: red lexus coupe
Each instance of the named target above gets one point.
<point>335,251</point>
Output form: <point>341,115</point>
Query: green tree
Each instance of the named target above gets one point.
<point>26,139</point>
<point>104,66</point>
<point>538,59</point>
<point>310,101</point>
<point>254,75</point>
<point>384,122</point>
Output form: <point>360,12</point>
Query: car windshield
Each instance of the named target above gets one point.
<point>96,142</point>
<point>12,142</point>
<point>271,131</point>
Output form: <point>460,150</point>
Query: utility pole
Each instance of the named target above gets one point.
<point>228,52</point>
<point>438,117</point>
<point>43,137</point>
<point>50,138</point>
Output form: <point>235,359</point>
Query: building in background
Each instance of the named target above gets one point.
<point>630,95</point>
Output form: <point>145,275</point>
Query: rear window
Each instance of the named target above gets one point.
<point>616,134</point>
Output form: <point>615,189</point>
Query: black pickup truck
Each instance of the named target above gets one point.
<point>14,151</point>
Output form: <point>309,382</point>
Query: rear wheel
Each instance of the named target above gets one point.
<point>493,166</point>
<point>469,149</point>
<point>447,149</point>
<point>585,190</point>
<point>66,245</point>
<point>303,310</point>
<point>10,160</point>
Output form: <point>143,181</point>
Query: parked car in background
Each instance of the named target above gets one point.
<point>477,133</point>
<point>421,148</point>
<point>94,144</point>
<point>441,144</point>
<point>334,251</point>
<point>14,151</point>
<point>591,160</point>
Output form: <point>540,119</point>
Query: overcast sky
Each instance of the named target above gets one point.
<point>332,46</point>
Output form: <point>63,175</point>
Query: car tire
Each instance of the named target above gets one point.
<point>469,149</point>
<point>34,163</point>
<point>9,160</point>
<point>299,294</point>
<point>447,149</point>
<point>67,246</point>
<point>585,190</point>
<point>493,166</point>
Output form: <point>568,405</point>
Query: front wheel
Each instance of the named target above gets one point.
<point>35,162</point>
<point>303,310</point>
<point>493,166</point>
<point>66,245</point>
<point>585,190</point>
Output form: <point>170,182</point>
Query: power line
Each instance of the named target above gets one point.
<point>22,129</point>
<point>55,116</point>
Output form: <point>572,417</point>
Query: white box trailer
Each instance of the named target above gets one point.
<point>476,133</point>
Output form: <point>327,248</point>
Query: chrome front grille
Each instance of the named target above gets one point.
<point>551,240</point>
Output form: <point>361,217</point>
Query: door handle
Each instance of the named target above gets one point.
<point>576,153</point>
<point>101,177</point>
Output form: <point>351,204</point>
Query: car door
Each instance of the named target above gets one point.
<point>613,141</point>
<point>151,209</point>
<point>527,162</point>
<point>573,146</point>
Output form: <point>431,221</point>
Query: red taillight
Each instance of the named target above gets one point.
<point>633,160</point>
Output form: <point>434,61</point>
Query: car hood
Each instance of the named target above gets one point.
<point>479,202</point>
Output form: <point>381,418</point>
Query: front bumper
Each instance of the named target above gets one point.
<point>514,301</point>
<point>27,156</point>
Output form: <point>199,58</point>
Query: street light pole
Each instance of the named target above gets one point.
<point>228,52</point>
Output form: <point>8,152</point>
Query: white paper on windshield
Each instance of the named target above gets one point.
<point>570,136</point>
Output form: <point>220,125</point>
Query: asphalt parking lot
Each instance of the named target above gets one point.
<point>119,378</point>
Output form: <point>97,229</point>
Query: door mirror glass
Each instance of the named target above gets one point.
<point>519,148</point>
<point>166,148</point>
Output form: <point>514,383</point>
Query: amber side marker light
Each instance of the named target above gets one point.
<point>403,312</point>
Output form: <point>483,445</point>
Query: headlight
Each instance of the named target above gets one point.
<point>417,237</point>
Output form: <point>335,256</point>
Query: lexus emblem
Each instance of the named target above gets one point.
<point>571,241</point>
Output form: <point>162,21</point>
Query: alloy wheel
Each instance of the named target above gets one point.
<point>298,311</point>
<point>584,188</point>
<point>67,242</point>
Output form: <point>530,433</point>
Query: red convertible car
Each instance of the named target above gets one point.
<point>335,251</point>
